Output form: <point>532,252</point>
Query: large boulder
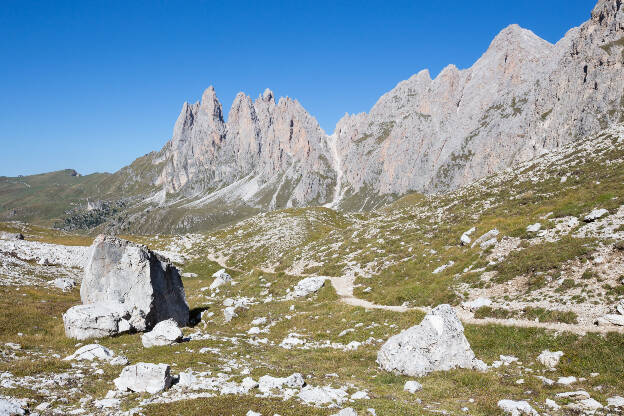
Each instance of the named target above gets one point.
<point>437,344</point>
<point>144,377</point>
<point>139,285</point>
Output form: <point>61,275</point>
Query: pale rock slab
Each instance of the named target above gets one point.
<point>308,286</point>
<point>144,377</point>
<point>221,277</point>
<point>91,352</point>
<point>550,359</point>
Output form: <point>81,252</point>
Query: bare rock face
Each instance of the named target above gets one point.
<point>126,287</point>
<point>437,344</point>
<point>267,154</point>
<point>523,97</point>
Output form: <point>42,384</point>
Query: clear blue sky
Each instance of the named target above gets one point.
<point>91,85</point>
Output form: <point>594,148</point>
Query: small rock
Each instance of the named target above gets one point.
<point>347,411</point>
<point>164,333</point>
<point>221,277</point>
<point>64,283</point>
<point>566,381</point>
<point>465,237</point>
<point>91,352</point>
<point>412,386</point>
<point>595,214</point>
<point>517,408</point>
<point>551,404</point>
<point>533,228</point>
<point>574,395</point>
<point>476,304</point>
<point>616,401</point>
<point>360,395</point>
<point>307,286</point>
<point>11,407</point>
<point>144,377</point>
<point>550,359</point>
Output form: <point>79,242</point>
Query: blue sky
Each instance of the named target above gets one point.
<point>91,85</point>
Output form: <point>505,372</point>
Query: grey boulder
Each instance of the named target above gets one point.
<point>144,377</point>
<point>437,344</point>
<point>137,287</point>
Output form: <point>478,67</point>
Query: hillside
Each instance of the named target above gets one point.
<point>554,287</point>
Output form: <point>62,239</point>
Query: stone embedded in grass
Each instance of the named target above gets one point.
<point>516,408</point>
<point>307,286</point>
<point>64,283</point>
<point>550,359</point>
<point>412,386</point>
<point>318,396</point>
<point>573,395</point>
<point>347,411</point>
<point>533,228</point>
<point>585,406</point>
<point>144,377</point>
<point>595,214</point>
<point>465,237</point>
<point>476,304</point>
<point>164,333</point>
<point>486,239</point>
<point>91,352</point>
<point>611,319</point>
<point>221,277</point>
<point>566,381</point>
<point>267,383</point>
<point>616,401</point>
<point>436,344</point>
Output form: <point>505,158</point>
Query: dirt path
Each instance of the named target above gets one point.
<point>344,289</point>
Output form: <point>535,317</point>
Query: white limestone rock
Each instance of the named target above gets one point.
<point>436,344</point>
<point>516,408</point>
<point>616,401</point>
<point>347,411</point>
<point>533,228</point>
<point>221,277</point>
<point>486,239</point>
<point>412,386</point>
<point>550,359</point>
<point>64,283</point>
<point>476,304</point>
<point>91,352</point>
<point>465,237</point>
<point>164,333</point>
<point>320,396</point>
<point>144,377</point>
<point>11,407</point>
<point>96,320</point>
<point>308,286</point>
<point>595,215</point>
<point>268,383</point>
<point>149,287</point>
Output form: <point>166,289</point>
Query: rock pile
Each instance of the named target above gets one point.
<point>437,344</point>
<point>126,287</point>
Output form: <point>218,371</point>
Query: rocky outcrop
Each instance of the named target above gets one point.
<point>126,287</point>
<point>267,154</point>
<point>437,344</point>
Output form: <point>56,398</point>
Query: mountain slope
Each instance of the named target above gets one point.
<point>524,97</point>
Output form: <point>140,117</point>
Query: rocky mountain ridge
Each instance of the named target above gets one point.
<point>524,97</point>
